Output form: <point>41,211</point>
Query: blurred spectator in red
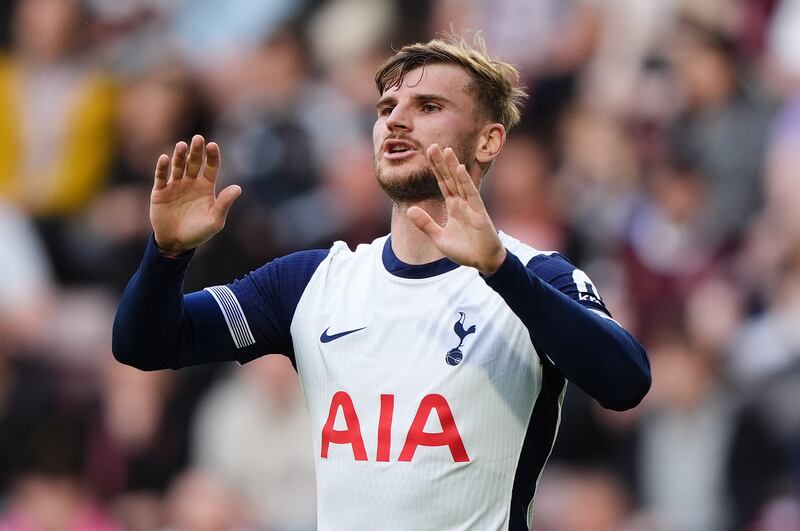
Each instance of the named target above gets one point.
<point>56,111</point>
<point>252,431</point>
<point>669,245</point>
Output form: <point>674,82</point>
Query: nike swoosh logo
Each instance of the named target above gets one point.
<point>325,338</point>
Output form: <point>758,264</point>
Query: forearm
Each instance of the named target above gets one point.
<point>150,317</point>
<point>591,350</point>
<point>158,327</point>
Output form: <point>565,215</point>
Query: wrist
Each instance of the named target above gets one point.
<point>494,264</point>
<point>170,251</point>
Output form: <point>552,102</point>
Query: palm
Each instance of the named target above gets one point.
<point>469,236</point>
<point>184,210</point>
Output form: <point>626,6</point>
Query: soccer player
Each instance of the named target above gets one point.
<point>433,360</point>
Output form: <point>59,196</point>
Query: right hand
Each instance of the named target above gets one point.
<point>184,211</point>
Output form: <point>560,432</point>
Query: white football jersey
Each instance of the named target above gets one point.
<point>430,407</point>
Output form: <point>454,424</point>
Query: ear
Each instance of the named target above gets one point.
<point>490,141</point>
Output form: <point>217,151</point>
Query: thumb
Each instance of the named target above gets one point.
<point>225,199</point>
<point>424,222</point>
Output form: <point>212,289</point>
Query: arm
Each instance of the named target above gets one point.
<point>158,327</point>
<point>575,334</point>
<point>588,348</point>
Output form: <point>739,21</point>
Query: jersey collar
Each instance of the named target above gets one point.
<point>398,268</point>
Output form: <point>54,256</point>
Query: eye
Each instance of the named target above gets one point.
<point>430,108</point>
<point>386,110</point>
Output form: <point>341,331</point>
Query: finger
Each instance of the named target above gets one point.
<point>195,156</point>
<point>424,222</point>
<point>452,168</point>
<point>468,185</point>
<point>436,160</point>
<point>179,160</point>
<point>161,173</point>
<point>224,202</point>
<point>444,168</point>
<point>213,161</point>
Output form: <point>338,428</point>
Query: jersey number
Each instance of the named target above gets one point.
<point>449,436</point>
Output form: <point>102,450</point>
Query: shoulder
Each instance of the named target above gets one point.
<point>298,268</point>
<point>543,263</point>
<point>555,269</point>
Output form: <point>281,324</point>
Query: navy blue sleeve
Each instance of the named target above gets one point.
<point>158,327</point>
<point>555,301</point>
<point>269,297</point>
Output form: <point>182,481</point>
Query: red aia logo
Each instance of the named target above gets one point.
<point>449,436</point>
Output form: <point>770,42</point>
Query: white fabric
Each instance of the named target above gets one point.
<point>409,330</point>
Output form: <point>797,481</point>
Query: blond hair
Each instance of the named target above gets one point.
<point>495,83</point>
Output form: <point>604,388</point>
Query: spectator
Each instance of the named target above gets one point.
<point>253,431</point>
<point>49,493</point>
<point>722,128</point>
<point>56,110</point>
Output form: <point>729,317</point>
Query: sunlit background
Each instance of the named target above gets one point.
<point>659,151</point>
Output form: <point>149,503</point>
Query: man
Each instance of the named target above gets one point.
<point>433,360</point>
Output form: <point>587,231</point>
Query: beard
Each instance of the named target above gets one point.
<point>420,184</point>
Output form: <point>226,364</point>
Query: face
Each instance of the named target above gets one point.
<point>46,29</point>
<point>433,105</point>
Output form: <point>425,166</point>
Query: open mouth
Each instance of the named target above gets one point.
<point>398,149</point>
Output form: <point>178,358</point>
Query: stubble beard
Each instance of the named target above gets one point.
<point>419,184</point>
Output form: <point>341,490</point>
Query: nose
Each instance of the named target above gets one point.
<point>399,119</point>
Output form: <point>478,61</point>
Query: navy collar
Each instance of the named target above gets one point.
<point>401,269</point>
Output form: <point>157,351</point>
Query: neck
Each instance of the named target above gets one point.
<point>410,244</point>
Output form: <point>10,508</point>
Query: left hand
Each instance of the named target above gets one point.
<point>469,236</point>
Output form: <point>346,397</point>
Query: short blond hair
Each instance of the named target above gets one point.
<point>495,83</point>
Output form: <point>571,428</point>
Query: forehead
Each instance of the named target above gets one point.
<point>450,81</point>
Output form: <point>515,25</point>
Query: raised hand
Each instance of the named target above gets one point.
<point>469,236</point>
<point>184,210</point>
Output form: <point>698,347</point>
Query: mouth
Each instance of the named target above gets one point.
<point>398,149</point>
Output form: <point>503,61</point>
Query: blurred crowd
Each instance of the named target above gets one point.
<point>659,151</point>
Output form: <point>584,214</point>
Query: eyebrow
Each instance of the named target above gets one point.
<point>417,98</point>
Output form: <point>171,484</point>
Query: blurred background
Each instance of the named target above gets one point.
<point>659,151</point>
